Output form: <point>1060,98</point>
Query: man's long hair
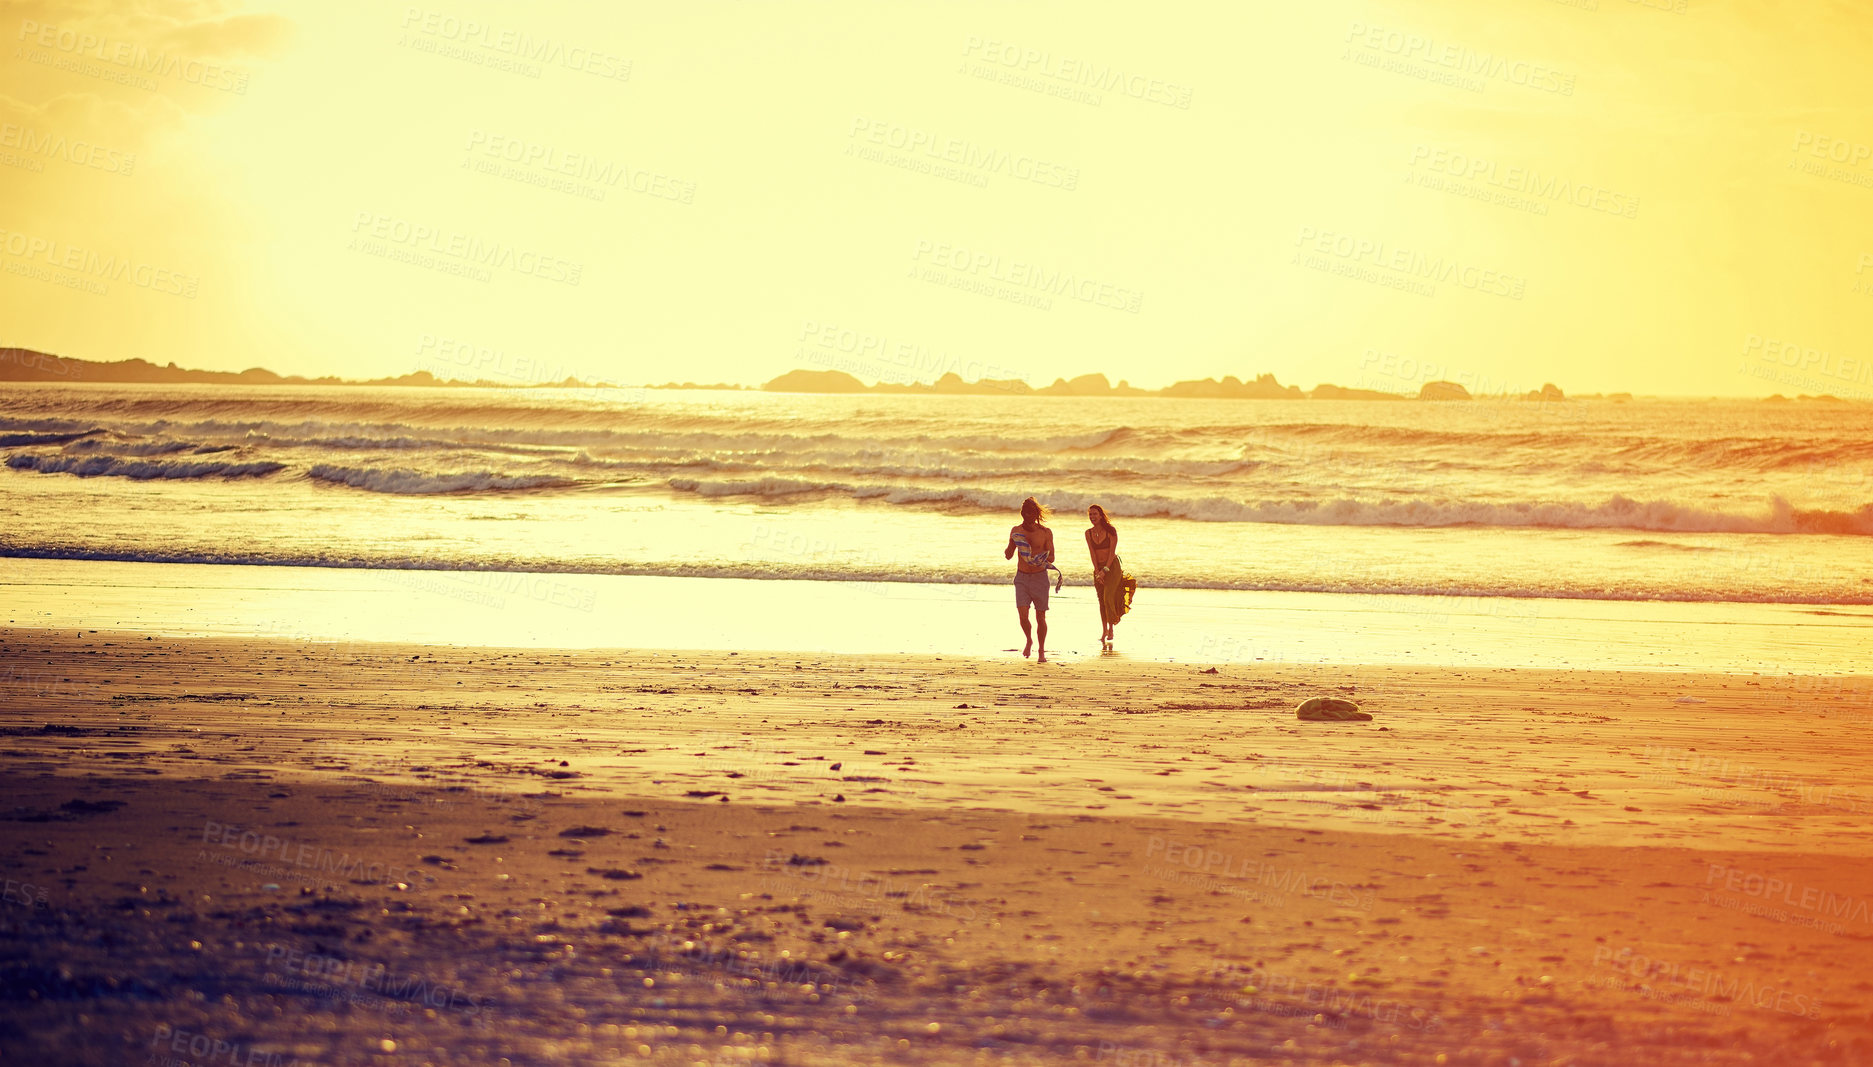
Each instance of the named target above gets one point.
<point>1040,512</point>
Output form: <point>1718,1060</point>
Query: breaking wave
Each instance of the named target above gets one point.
<point>409,482</point>
<point>139,469</point>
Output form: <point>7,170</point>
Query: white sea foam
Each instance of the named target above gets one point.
<point>409,482</point>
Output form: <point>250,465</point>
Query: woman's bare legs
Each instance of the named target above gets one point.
<point>1105,624</point>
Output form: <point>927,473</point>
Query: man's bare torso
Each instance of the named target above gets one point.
<point>1040,543</point>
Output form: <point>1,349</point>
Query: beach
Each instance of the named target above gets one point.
<point>379,725</point>
<point>508,515</point>
<point>241,849</point>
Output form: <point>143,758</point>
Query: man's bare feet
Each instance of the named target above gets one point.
<point>1028,650</point>
<point>1042,659</point>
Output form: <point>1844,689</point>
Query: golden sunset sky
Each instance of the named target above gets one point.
<point>1606,194</point>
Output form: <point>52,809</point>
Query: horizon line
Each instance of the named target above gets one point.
<point>426,379</point>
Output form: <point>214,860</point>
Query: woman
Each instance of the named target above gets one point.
<point>1115,587</point>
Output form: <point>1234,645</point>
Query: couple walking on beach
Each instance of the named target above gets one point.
<point>1035,542</point>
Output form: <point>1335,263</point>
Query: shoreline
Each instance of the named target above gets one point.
<point>501,609</point>
<point>516,573</point>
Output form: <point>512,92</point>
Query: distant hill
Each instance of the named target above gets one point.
<point>1264,387</point>
<point>815,381</point>
<point>1337,392</point>
<point>26,365</point>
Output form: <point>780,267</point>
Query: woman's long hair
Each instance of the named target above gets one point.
<point>1102,521</point>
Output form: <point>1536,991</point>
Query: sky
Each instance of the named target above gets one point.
<point>1657,196</point>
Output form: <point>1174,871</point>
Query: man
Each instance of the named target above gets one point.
<point>1036,544</point>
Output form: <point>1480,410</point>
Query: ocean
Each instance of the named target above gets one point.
<point>1729,501</point>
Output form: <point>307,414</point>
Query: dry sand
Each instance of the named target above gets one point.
<point>243,852</point>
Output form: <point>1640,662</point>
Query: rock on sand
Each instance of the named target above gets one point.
<point>1330,709</point>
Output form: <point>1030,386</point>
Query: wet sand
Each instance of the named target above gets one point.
<point>243,851</point>
<point>844,618</point>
